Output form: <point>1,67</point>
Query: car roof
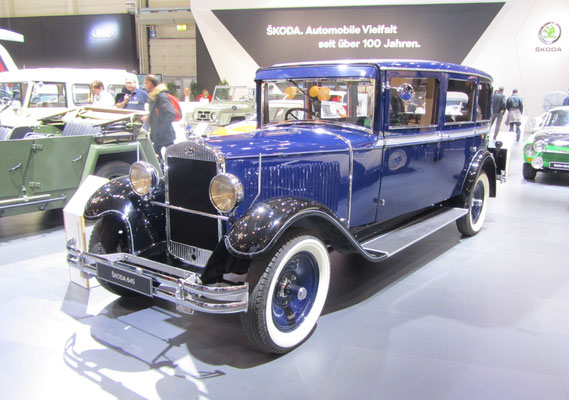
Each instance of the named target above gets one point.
<point>85,75</point>
<point>389,64</point>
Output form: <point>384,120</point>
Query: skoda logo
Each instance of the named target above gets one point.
<point>549,33</point>
<point>189,151</point>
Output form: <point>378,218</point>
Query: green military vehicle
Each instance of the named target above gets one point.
<point>229,104</point>
<point>42,166</point>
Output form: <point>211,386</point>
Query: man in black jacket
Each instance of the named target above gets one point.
<point>161,114</point>
<point>498,109</point>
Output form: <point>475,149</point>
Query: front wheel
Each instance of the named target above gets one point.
<point>287,291</point>
<point>529,172</point>
<point>109,236</point>
<point>472,222</point>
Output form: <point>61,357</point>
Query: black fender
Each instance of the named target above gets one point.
<point>260,228</point>
<point>482,161</point>
<point>145,224</point>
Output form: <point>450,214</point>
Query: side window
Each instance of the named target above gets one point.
<point>81,94</point>
<point>460,101</point>
<point>484,102</point>
<point>48,95</point>
<point>419,109</point>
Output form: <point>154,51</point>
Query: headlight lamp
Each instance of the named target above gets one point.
<point>537,163</point>
<point>213,116</point>
<point>539,146</point>
<point>529,150</point>
<point>143,178</point>
<point>225,192</point>
<point>195,115</point>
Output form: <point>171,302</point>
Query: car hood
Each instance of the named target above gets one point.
<point>292,139</point>
<point>557,138</point>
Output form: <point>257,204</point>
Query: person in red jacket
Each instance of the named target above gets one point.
<point>204,95</point>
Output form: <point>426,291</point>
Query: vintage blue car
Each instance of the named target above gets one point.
<point>353,156</point>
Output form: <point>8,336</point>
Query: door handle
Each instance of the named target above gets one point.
<point>15,167</point>
<point>78,158</point>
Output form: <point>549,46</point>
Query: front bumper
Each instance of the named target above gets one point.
<point>160,280</point>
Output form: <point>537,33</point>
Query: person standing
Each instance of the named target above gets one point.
<point>186,97</point>
<point>132,97</point>
<point>204,95</point>
<point>101,98</point>
<point>161,114</point>
<point>515,107</point>
<point>498,109</point>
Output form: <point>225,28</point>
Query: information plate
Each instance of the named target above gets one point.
<point>559,165</point>
<point>126,279</point>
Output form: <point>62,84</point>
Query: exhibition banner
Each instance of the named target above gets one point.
<point>442,32</point>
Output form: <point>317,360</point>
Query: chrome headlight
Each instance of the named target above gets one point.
<point>539,146</point>
<point>213,116</point>
<point>529,150</point>
<point>195,115</point>
<point>537,163</point>
<point>143,178</point>
<point>225,192</point>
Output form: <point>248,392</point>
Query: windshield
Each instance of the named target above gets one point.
<point>10,91</point>
<point>48,94</point>
<point>233,93</point>
<point>557,118</point>
<point>338,100</point>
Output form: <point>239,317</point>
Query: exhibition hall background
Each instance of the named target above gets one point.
<point>229,40</point>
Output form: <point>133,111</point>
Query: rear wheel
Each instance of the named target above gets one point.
<point>472,222</point>
<point>529,172</point>
<point>287,291</point>
<point>113,169</point>
<point>109,236</point>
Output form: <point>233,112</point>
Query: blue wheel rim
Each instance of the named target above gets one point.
<point>477,202</point>
<point>288,310</point>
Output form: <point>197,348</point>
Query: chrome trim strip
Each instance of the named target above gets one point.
<point>178,286</point>
<point>394,129</point>
<point>556,152</point>
<point>171,207</point>
<point>350,175</point>
<point>459,123</point>
<point>412,139</point>
<point>258,180</point>
<point>23,202</point>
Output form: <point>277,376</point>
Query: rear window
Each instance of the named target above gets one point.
<point>460,101</point>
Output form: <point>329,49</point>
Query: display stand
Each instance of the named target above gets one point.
<point>75,223</point>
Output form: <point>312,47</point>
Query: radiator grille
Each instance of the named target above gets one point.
<point>204,116</point>
<point>190,168</point>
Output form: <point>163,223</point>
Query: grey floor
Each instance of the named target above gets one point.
<point>449,318</point>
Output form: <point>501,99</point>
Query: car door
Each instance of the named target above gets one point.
<point>58,162</point>
<point>16,169</point>
<point>460,139</point>
<point>410,176</point>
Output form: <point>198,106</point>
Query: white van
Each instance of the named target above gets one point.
<point>31,94</point>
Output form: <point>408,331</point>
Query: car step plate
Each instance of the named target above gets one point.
<point>399,239</point>
<point>126,279</point>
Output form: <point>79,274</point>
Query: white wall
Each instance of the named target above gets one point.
<point>507,50</point>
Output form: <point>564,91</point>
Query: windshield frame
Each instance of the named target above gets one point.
<point>333,96</point>
<point>553,116</point>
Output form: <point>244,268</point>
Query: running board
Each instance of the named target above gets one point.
<point>395,241</point>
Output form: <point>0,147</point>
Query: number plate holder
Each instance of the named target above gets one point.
<point>137,283</point>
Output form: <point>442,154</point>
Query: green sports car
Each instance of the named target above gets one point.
<point>547,149</point>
